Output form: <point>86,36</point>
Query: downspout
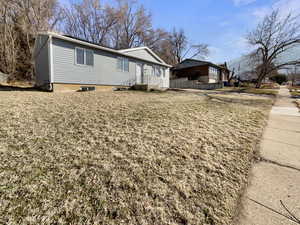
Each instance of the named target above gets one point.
<point>50,48</point>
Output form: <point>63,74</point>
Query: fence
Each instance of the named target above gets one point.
<point>194,84</point>
<point>147,79</point>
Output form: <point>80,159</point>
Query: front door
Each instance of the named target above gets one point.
<point>139,73</point>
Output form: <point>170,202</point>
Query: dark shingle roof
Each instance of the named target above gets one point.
<point>188,63</point>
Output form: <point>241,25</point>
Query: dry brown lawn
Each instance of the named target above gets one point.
<point>124,157</point>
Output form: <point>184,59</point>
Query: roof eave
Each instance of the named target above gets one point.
<point>55,35</point>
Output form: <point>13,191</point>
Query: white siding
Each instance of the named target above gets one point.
<point>142,53</point>
<point>104,71</point>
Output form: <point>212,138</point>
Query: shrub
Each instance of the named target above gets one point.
<point>279,78</point>
<point>270,86</point>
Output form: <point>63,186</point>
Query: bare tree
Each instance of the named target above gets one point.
<point>134,26</point>
<point>155,38</point>
<point>199,51</point>
<point>90,20</point>
<point>165,50</point>
<point>182,48</point>
<point>127,25</point>
<point>272,38</point>
<point>231,75</point>
<point>19,22</point>
<point>179,43</point>
<point>8,40</point>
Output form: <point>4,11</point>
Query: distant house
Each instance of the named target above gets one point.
<point>64,62</point>
<point>201,71</point>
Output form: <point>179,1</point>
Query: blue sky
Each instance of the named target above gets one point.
<point>222,24</point>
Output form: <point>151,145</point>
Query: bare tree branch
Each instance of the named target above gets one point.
<point>89,20</point>
<point>20,21</point>
<point>181,46</point>
<point>273,37</point>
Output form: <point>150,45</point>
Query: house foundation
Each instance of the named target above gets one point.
<point>78,87</point>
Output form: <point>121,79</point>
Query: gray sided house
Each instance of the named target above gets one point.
<point>63,63</point>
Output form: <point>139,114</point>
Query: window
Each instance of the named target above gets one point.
<point>152,70</point>
<point>126,65</point>
<point>158,71</point>
<point>213,73</point>
<point>84,57</point>
<point>89,57</point>
<point>80,56</point>
<point>123,64</point>
<point>213,70</point>
<point>120,64</point>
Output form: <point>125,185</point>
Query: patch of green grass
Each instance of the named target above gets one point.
<point>124,157</point>
<point>270,86</point>
<point>257,91</point>
<point>294,87</point>
<point>294,91</point>
<point>261,91</point>
<point>295,94</point>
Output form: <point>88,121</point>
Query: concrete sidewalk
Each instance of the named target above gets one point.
<point>277,177</point>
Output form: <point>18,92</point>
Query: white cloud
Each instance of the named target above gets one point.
<point>232,44</point>
<point>284,6</point>
<point>242,2</point>
<point>288,6</point>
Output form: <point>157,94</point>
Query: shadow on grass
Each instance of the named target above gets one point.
<point>16,88</point>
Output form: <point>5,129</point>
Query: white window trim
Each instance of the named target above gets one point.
<point>123,65</point>
<point>84,57</point>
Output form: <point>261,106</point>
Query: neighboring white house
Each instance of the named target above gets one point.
<point>64,62</point>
